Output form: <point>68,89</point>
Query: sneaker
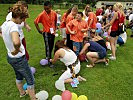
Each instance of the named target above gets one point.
<point>107,62</point>
<point>89,66</point>
<point>112,58</point>
<point>23,95</point>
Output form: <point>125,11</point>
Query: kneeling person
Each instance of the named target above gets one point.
<point>69,58</point>
<point>96,53</point>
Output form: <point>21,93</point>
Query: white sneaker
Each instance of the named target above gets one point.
<point>112,58</point>
<point>107,62</point>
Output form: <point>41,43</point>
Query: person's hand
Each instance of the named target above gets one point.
<point>15,52</point>
<point>103,28</point>
<point>28,29</point>
<point>73,32</point>
<point>83,30</point>
<point>89,28</point>
<point>40,31</point>
<point>50,60</point>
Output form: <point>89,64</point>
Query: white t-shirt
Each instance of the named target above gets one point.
<point>100,18</point>
<point>7,28</point>
<point>124,37</point>
<point>106,11</point>
<point>58,18</point>
<point>20,26</point>
<point>130,17</point>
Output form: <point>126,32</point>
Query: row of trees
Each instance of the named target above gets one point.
<point>92,2</point>
<point>54,1</point>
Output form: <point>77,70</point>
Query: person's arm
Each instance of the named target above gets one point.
<point>28,28</point>
<point>37,21</point>
<point>68,27</point>
<point>56,57</point>
<point>85,29</point>
<point>84,48</point>
<point>38,28</point>
<point>91,20</point>
<point>112,21</point>
<point>16,42</point>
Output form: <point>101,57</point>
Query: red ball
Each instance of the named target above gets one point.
<point>82,57</point>
<point>66,95</point>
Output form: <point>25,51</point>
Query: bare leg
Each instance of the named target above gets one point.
<point>31,92</point>
<point>69,80</point>
<point>20,88</point>
<point>101,60</point>
<point>92,56</point>
<point>95,59</point>
<point>113,45</point>
<point>80,78</point>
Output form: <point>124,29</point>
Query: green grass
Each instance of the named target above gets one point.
<point>114,82</point>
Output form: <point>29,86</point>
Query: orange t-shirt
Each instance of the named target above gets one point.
<point>63,21</point>
<point>68,19</point>
<point>92,16</point>
<point>77,26</point>
<point>47,20</point>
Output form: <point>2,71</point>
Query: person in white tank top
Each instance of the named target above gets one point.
<point>68,57</point>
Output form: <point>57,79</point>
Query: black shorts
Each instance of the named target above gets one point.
<point>114,33</point>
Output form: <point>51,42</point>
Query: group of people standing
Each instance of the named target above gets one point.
<point>78,30</point>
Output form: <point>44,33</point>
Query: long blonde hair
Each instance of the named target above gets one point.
<point>120,7</point>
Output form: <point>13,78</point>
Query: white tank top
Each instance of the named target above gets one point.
<point>69,57</point>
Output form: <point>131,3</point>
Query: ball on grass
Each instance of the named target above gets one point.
<point>44,62</point>
<point>82,57</point>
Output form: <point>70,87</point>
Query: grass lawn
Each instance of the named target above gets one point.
<point>114,82</point>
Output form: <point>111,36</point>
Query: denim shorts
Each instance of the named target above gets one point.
<point>78,46</point>
<point>22,69</point>
<point>102,54</point>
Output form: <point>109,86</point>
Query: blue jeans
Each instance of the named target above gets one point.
<point>22,70</point>
<point>77,46</point>
<point>120,41</point>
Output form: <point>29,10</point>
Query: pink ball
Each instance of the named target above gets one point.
<point>33,70</point>
<point>66,95</point>
<point>44,62</point>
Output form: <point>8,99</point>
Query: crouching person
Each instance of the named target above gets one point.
<point>96,53</point>
<point>16,52</point>
<point>69,58</point>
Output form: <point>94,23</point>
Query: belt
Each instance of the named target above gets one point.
<point>74,64</point>
<point>72,67</point>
